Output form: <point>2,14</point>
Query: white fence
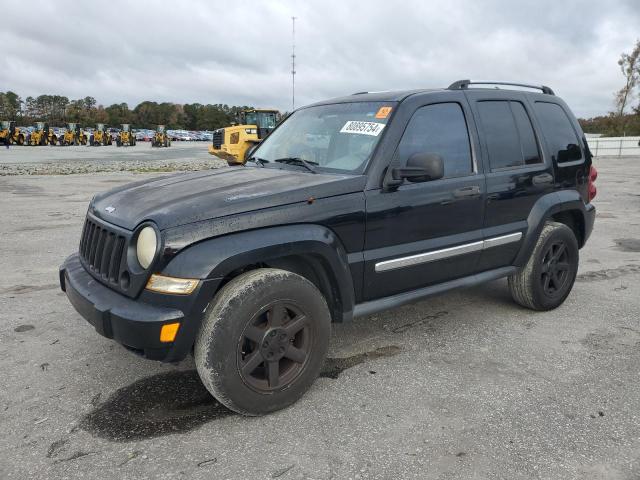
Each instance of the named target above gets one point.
<point>614,146</point>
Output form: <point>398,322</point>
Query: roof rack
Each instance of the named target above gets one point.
<point>464,84</point>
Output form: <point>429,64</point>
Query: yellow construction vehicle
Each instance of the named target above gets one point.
<point>232,143</point>
<point>73,135</point>
<point>10,134</point>
<point>100,136</point>
<point>160,139</point>
<point>42,135</point>
<point>125,136</point>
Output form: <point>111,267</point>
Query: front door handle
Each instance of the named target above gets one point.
<point>542,179</point>
<point>473,191</point>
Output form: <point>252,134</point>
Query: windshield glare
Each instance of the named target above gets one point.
<point>337,137</point>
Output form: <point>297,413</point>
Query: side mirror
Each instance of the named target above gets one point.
<point>421,167</point>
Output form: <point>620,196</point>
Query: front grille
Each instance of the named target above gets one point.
<point>218,138</point>
<point>102,250</point>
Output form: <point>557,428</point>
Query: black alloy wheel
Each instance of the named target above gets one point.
<point>274,347</point>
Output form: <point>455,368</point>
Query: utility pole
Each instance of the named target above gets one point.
<point>293,64</point>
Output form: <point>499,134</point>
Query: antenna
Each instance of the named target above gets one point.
<point>293,63</point>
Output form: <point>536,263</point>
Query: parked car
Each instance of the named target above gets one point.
<point>401,195</point>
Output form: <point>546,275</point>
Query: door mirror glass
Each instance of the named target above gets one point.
<point>421,167</point>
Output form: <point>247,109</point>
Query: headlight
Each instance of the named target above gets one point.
<point>146,246</point>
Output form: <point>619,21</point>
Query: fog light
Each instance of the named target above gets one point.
<point>168,332</point>
<point>171,285</point>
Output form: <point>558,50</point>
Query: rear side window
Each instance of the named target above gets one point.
<point>508,134</point>
<point>561,137</point>
<point>439,129</point>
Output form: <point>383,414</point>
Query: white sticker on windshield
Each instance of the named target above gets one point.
<point>363,128</point>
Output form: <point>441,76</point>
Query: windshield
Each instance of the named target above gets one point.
<point>266,120</point>
<point>5,125</point>
<point>336,137</point>
<point>125,127</point>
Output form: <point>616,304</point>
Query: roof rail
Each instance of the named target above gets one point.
<point>464,84</point>
<point>359,93</point>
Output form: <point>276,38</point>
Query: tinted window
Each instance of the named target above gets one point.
<point>439,129</point>
<point>561,138</point>
<point>508,133</point>
<point>527,137</point>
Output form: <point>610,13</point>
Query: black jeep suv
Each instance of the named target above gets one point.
<point>349,207</point>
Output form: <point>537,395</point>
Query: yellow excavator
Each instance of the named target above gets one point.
<point>232,143</point>
<point>100,136</point>
<point>160,139</point>
<point>10,134</point>
<point>42,135</point>
<point>73,135</point>
<point>125,136</point>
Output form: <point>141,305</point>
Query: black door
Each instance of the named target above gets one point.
<point>516,171</point>
<point>426,233</point>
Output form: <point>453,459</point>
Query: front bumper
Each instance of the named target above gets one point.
<point>136,323</point>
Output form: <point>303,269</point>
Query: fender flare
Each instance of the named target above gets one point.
<point>544,208</point>
<point>218,257</point>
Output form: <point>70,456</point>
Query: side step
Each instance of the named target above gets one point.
<point>386,303</point>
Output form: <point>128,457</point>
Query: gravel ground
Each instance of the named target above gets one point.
<point>464,385</point>
<point>140,158</point>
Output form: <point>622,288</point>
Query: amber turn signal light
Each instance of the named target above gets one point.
<point>168,332</point>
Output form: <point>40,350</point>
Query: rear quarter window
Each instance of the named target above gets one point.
<point>562,139</point>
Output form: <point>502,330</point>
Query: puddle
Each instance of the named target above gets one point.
<point>172,402</point>
<point>333,367</point>
<point>177,402</point>
<point>628,244</point>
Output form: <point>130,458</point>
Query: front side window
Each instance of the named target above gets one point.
<point>508,134</point>
<point>338,137</point>
<point>561,137</point>
<point>440,129</point>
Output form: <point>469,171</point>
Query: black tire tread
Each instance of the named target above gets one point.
<point>521,282</point>
<point>224,303</point>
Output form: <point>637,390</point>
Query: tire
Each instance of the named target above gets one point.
<point>239,334</point>
<point>547,279</point>
<point>20,139</point>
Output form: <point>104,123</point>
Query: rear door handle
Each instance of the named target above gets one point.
<point>542,179</point>
<point>473,191</point>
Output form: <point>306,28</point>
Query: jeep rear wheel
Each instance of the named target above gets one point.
<point>548,277</point>
<point>264,342</point>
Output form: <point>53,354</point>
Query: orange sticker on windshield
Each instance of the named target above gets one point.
<point>383,112</point>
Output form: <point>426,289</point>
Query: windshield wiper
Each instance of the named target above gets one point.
<point>308,164</point>
<point>258,161</point>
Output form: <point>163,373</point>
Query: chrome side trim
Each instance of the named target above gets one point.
<point>502,240</point>
<point>446,252</point>
<point>428,256</point>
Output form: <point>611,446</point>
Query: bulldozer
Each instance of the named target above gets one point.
<point>232,143</point>
<point>42,135</point>
<point>100,136</point>
<point>73,135</point>
<point>125,136</point>
<point>160,139</point>
<point>10,134</point>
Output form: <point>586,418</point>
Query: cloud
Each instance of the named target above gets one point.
<point>239,52</point>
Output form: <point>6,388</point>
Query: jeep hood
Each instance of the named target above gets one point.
<point>178,199</point>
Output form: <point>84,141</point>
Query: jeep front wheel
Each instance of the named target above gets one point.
<point>547,278</point>
<point>264,341</point>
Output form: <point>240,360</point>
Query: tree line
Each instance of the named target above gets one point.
<point>57,110</point>
<point>624,120</point>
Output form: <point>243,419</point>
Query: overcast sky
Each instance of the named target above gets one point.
<point>238,52</point>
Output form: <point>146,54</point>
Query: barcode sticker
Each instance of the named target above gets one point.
<point>363,128</point>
